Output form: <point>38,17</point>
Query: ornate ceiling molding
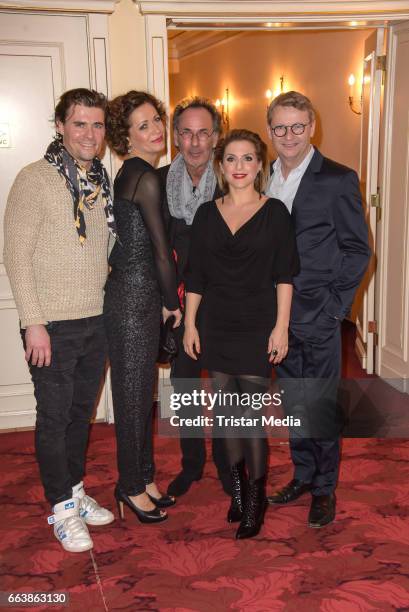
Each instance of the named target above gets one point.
<point>342,9</point>
<point>61,6</point>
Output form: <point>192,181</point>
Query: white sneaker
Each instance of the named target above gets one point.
<point>69,528</point>
<point>90,510</point>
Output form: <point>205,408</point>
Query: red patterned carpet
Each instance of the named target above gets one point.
<point>192,561</point>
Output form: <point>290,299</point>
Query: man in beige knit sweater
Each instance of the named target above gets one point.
<point>56,227</point>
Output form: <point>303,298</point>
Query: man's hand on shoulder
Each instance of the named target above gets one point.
<point>38,346</point>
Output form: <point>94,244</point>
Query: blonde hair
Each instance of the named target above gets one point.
<point>291,98</point>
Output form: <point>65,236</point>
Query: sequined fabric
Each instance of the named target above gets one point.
<point>142,270</point>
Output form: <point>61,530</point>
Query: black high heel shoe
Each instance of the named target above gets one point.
<point>238,492</point>
<point>145,516</point>
<point>164,501</point>
<point>254,509</point>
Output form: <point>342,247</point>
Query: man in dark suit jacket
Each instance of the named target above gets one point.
<point>190,181</point>
<point>332,240</point>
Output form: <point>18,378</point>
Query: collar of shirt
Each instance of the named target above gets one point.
<point>286,189</point>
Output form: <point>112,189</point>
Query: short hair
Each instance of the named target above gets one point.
<point>82,96</point>
<point>198,102</point>
<point>261,153</point>
<point>291,98</point>
<point>118,113</point>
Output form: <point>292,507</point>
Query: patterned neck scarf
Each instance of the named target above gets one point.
<point>83,185</point>
<point>183,200</point>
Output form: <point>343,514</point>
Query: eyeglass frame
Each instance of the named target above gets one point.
<point>287,127</point>
<point>189,134</point>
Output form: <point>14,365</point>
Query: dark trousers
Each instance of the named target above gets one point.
<point>309,376</point>
<point>132,313</point>
<point>65,393</point>
<point>194,448</point>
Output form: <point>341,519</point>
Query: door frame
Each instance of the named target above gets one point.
<point>161,15</point>
<point>279,10</point>
<point>369,178</point>
<point>263,15</point>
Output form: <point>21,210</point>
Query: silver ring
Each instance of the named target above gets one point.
<point>274,352</point>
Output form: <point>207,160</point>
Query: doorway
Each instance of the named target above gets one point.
<point>242,71</point>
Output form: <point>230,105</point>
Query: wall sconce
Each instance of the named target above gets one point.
<point>270,95</point>
<point>351,83</point>
<point>280,90</point>
<point>223,106</point>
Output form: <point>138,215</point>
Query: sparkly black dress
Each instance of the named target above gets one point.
<point>142,272</point>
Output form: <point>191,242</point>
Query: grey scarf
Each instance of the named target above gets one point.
<point>183,200</point>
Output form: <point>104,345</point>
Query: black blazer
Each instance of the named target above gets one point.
<point>332,242</point>
<point>178,230</point>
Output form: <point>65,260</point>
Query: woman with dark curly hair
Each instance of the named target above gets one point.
<point>241,262</point>
<point>141,282</point>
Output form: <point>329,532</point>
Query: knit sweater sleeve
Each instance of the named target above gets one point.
<point>22,220</point>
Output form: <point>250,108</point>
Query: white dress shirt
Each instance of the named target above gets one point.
<point>286,189</point>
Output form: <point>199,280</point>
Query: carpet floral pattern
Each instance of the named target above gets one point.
<point>192,561</point>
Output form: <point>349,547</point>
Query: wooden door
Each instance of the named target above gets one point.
<point>41,55</point>
<point>393,266</point>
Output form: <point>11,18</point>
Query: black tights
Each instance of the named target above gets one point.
<point>253,450</point>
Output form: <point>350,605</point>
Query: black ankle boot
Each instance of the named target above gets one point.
<point>254,508</point>
<point>238,492</point>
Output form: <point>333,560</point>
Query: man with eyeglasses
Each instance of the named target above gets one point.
<point>324,200</point>
<point>191,181</point>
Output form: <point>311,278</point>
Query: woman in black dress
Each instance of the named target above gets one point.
<point>241,263</point>
<point>142,272</point>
